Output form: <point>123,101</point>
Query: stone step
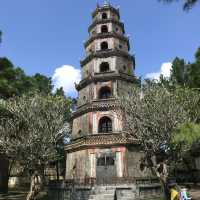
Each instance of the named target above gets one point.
<point>105,195</point>
<point>102,192</point>
<point>126,195</point>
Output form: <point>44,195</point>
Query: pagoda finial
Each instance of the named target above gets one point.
<point>106,3</point>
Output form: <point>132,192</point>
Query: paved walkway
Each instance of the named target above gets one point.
<point>195,193</point>
<point>14,195</point>
<point>19,195</point>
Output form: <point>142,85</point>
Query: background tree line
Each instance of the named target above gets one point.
<point>184,74</point>
<point>14,81</point>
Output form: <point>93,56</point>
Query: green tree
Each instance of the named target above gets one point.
<point>152,116</point>
<point>186,74</point>
<point>194,72</point>
<point>186,135</point>
<point>42,83</point>
<point>30,128</point>
<point>188,4</point>
<point>179,72</point>
<point>184,141</point>
<point>14,81</point>
<point>60,92</point>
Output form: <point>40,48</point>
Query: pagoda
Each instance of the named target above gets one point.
<point>100,149</point>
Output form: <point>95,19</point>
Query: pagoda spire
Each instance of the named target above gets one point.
<point>106,3</point>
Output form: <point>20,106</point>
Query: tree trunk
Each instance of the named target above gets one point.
<point>57,171</point>
<point>36,186</point>
<point>162,176</point>
<point>4,165</point>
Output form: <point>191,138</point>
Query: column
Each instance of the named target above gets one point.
<point>119,164</point>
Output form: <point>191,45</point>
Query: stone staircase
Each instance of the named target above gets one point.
<point>125,194</point>
<point>102,193</point>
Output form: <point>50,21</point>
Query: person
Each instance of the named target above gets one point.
<point>174,192</point>
<point>184,194</point>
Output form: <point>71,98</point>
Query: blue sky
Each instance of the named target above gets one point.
<point>43,35</point>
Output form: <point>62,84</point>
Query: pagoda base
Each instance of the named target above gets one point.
<point>103,158</point>
<point>145,189</point>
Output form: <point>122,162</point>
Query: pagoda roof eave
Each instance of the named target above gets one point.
<point>101,141</point>
<point>101,77</point>
<point>104,21</point>
<point>96,105</point>
<point>107,35</point>
<point>105,8</point>
<point>107,53</point>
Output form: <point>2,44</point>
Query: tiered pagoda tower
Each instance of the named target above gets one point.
<point>100,149</point>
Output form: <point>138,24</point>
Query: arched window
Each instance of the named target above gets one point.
<point>104,93</point>
<point>105,125</point>
<point>104,29</point>
<point>104,16</point>
<point>104,67</point>
<point>104,45</point>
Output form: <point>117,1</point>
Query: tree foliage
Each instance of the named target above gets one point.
<point>31,127</point>
<point>186,136</point>
<point>152,116</point>
<point>187,5</point>
<point>186,74</point>
<point>60,92</point>
<point>14,81</point>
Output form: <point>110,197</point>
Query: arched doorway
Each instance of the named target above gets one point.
<point>104,45</point>
<point>104,29</point>
<point>104,67</point>
<point>104,16</point>
<point>105,93</point>
<point>105,125</point>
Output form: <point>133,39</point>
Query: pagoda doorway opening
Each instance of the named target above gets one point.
<point>104,67</point>
<point>104,16</point>
<point>104,93</point>
<point>106,168</point>
<point>105,125</point>
<point>104,29</point>
<point>104,46</point>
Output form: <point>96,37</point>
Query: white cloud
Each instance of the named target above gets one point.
<point>65,76</point>
<point>164,70</point>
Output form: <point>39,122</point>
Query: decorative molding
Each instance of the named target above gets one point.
<point>107,35</point>
<point>106,54</point>
<point>104,21</point>
<point>106,8</point>
<point>101,141</point>
<point>96,105</point>
<point>105,76</point>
